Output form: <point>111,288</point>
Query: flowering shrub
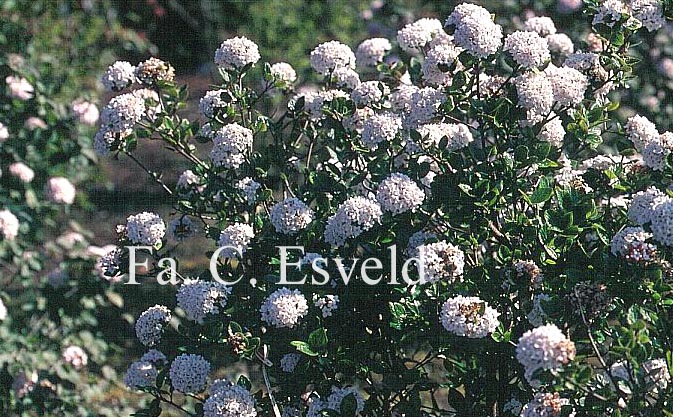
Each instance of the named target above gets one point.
<point>540,223</point>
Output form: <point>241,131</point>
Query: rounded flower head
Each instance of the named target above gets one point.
<point>150,324</point>
<point>440,260</point>
<point>437,62</point>
<point>380,128</point>
<point>544,347</point>
<point>188,183</point>
<point>370,52</point>
<point>423,106</point>
<point>155,357</point>
<point>475,30</point>
<point>641,131</point>
<point>662,221</point>
<point>21,171</point>
<point>346,78</point>
<point>331,55</point>
<point>553,132</point>
<point>75,356</point>
<point>560,43</point>
<point>568,84</point>
<point>469,316</point>
<point>140,374</point>
<point>86,112</point>
<point>541,25</point>
<point>284,308</point>
<point>458,135</point>
<point>188,373</point>
<point>249,188</point>
<point>290,216</point>
<point>123,112</point>
<point>544,405</point>
<point>19,88</point>
<point>369,93</point>
<point>641,206</point>
<point>154,70</point>
<point>236,236</point>
<point>415,36</point>
<point>200,298</point>
<point>353,217</point>
<point>535,92</point>
<point>119,75</point>
<point>212,103</point>
<point>145,228</point>
<point>106,140</point>
<point>282,71</point>
<point>235,53</point>
<point>649,12</point>
<point>327,304</point>
<point>60,190</point>
<point>398,194</point>
<point>528,49</point>
<point>230,144</point>
<point>229,400</point>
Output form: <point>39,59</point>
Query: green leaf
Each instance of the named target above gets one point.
<point>541,194</point>
<point>303,347</point>
<point>317,339</point>
<point>349,406</point>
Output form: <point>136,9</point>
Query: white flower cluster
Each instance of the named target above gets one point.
<point>4,133</point>
<point>211,103</point>
<point>641,132</point>
<point>370,52</point>
<point>327,304</point>
<point>630,243</point>
<point>640,208</point>
<point>535,92</point>
<point>188,182</point>
<point>560,43</point>
<point>346,78</point>
<point>21,171</point>
<point>229,400</point>
<point>662,221</point>
<point>458,135</point>
<point>528,49</point>
<point>86,112</point>
<point>438,60</point>
<point>290,216</point>
<point>150,324</point>
<point>369,93</point>
<point>544,405</point>
<point>553,132</point>
<point>568,85</point>
<point>423,106</point>
<point>106,140</point>
<point>475,30</point>
<point>440,260</point>
<point>60,190</point>
<point>237,235</point>
<point>249,188</point>
<point>19,88</point>
<point>75,356</point>
<point>649,12</point>
<point>200,298</point>
<point>282,71</point>
<point>123,112</point>
<point>544,348</point>
<point>235,53</point>
<point>154,70</point>
<point>230,144</point>
<point>380,128</point>
<point>284,308</point>
<point>189,373</point>
<point>145,228</point>
<point>118,76</point>
<point>415,36</point>
<point>331,55</point>
<point>353,217</point>
<point>469,316</point>
<point>398,193</point>
<point>289,362</point>
<point>542,25</point>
